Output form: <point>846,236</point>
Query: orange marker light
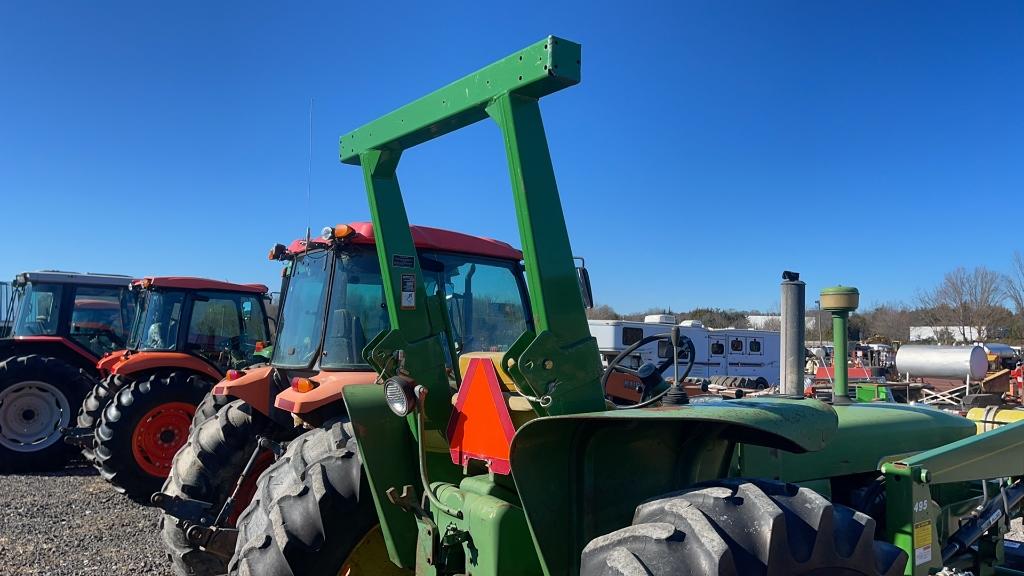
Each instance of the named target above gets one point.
<point>234,374</point>
<point>342,230</point>
<point>303,384</point>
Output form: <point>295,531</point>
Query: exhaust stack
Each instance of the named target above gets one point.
<point>792,337</point>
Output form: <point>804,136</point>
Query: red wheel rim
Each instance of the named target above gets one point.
<point>248,488</point>
<point>159,434</point>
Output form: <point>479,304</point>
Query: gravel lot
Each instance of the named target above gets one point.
<point>73,523</point>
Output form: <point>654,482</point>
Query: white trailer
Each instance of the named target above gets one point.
<point>719,352</point>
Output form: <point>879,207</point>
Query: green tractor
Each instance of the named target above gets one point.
<point>515,463</point>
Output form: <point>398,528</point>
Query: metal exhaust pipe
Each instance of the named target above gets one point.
<point>791,354</point>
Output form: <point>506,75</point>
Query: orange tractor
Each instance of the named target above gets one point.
<point>188,333</point>
<point>333,304</point>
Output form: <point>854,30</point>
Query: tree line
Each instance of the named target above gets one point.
<point>978,303</point>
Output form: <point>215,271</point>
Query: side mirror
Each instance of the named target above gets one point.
<point>585,289</point>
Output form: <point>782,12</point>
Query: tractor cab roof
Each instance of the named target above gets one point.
<point>62,277</point>
<point>193,283</point>
<point>424,237</point>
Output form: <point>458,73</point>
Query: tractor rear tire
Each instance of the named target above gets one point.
<point>37,394</point>
<point>312,511</point>
<point>95,401</point>
<point>207,409</point>
<point>207,469</point>
<point>743,527</point>
<point>142,428</point>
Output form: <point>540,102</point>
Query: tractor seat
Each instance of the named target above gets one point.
<point>519,408</point>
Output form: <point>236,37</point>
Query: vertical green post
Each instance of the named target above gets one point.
<point>840,301</point>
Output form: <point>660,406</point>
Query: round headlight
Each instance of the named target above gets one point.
<point>398,393</point>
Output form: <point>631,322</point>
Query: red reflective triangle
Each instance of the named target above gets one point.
<point>481,427</point>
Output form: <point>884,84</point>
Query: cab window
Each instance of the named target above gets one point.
<point>484,298</point>
<point>97,321</point>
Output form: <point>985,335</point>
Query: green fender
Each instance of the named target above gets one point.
<point>580,476</point>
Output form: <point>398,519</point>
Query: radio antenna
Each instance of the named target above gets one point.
<point>309,170</point>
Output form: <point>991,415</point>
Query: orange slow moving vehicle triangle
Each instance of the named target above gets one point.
<point>480,427</point>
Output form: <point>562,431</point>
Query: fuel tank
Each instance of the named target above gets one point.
<point>923,361</point>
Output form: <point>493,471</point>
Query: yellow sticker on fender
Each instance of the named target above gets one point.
<point>922,542</point>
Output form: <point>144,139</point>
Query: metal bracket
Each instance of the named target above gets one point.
<point>217,541</point>
<point>81,437</point>
<point>408,502</point>
<point>184,509</point>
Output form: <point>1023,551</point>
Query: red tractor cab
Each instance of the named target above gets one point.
<point>63,323</point>
<point>332,305</point>
<point>188,333</point>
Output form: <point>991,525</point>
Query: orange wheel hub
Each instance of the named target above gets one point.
<point>159,434</point>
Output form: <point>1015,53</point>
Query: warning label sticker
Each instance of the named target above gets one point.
<point>408,292</point>
<point>922,542</point>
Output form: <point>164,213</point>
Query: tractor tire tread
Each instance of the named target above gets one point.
<point>743,527</point>
<point>95,401</point>
<point>311,507</point>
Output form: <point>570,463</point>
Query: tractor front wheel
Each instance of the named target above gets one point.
<point>744,527</point>
<point>312,514</point>
<point>36,398</point>
<point>207,469</point>
<point>142,428</point>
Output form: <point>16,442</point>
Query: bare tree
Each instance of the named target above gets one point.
<point>888,321</point>
<point>968,302</point>
<point>1014,283</point>
<point>603,312</point>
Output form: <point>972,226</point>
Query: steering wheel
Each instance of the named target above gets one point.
<point>649,373</point>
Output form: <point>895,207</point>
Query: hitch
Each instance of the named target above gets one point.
<point>185,510</point>
<point>193,516</point>
<point>217,541</point>
<point>81,437</point>
<point>194,519</point>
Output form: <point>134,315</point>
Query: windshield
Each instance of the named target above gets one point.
<point>158,320</point>
<point>300,323</point>
<point>38,310</point>
<point>357,310</point>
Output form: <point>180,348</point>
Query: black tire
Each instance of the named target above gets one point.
<point>31,416</point>
<point>207,468</point>
<point>139,478</point>
<point>207,409</point>
<point>312,507</point>
<point>743,527</point>
<point>95,401</point>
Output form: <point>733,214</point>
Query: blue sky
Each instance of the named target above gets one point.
<point>710,145</point>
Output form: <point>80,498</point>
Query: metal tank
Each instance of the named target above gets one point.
<point>1000,350</point>
<point>942,361</point>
